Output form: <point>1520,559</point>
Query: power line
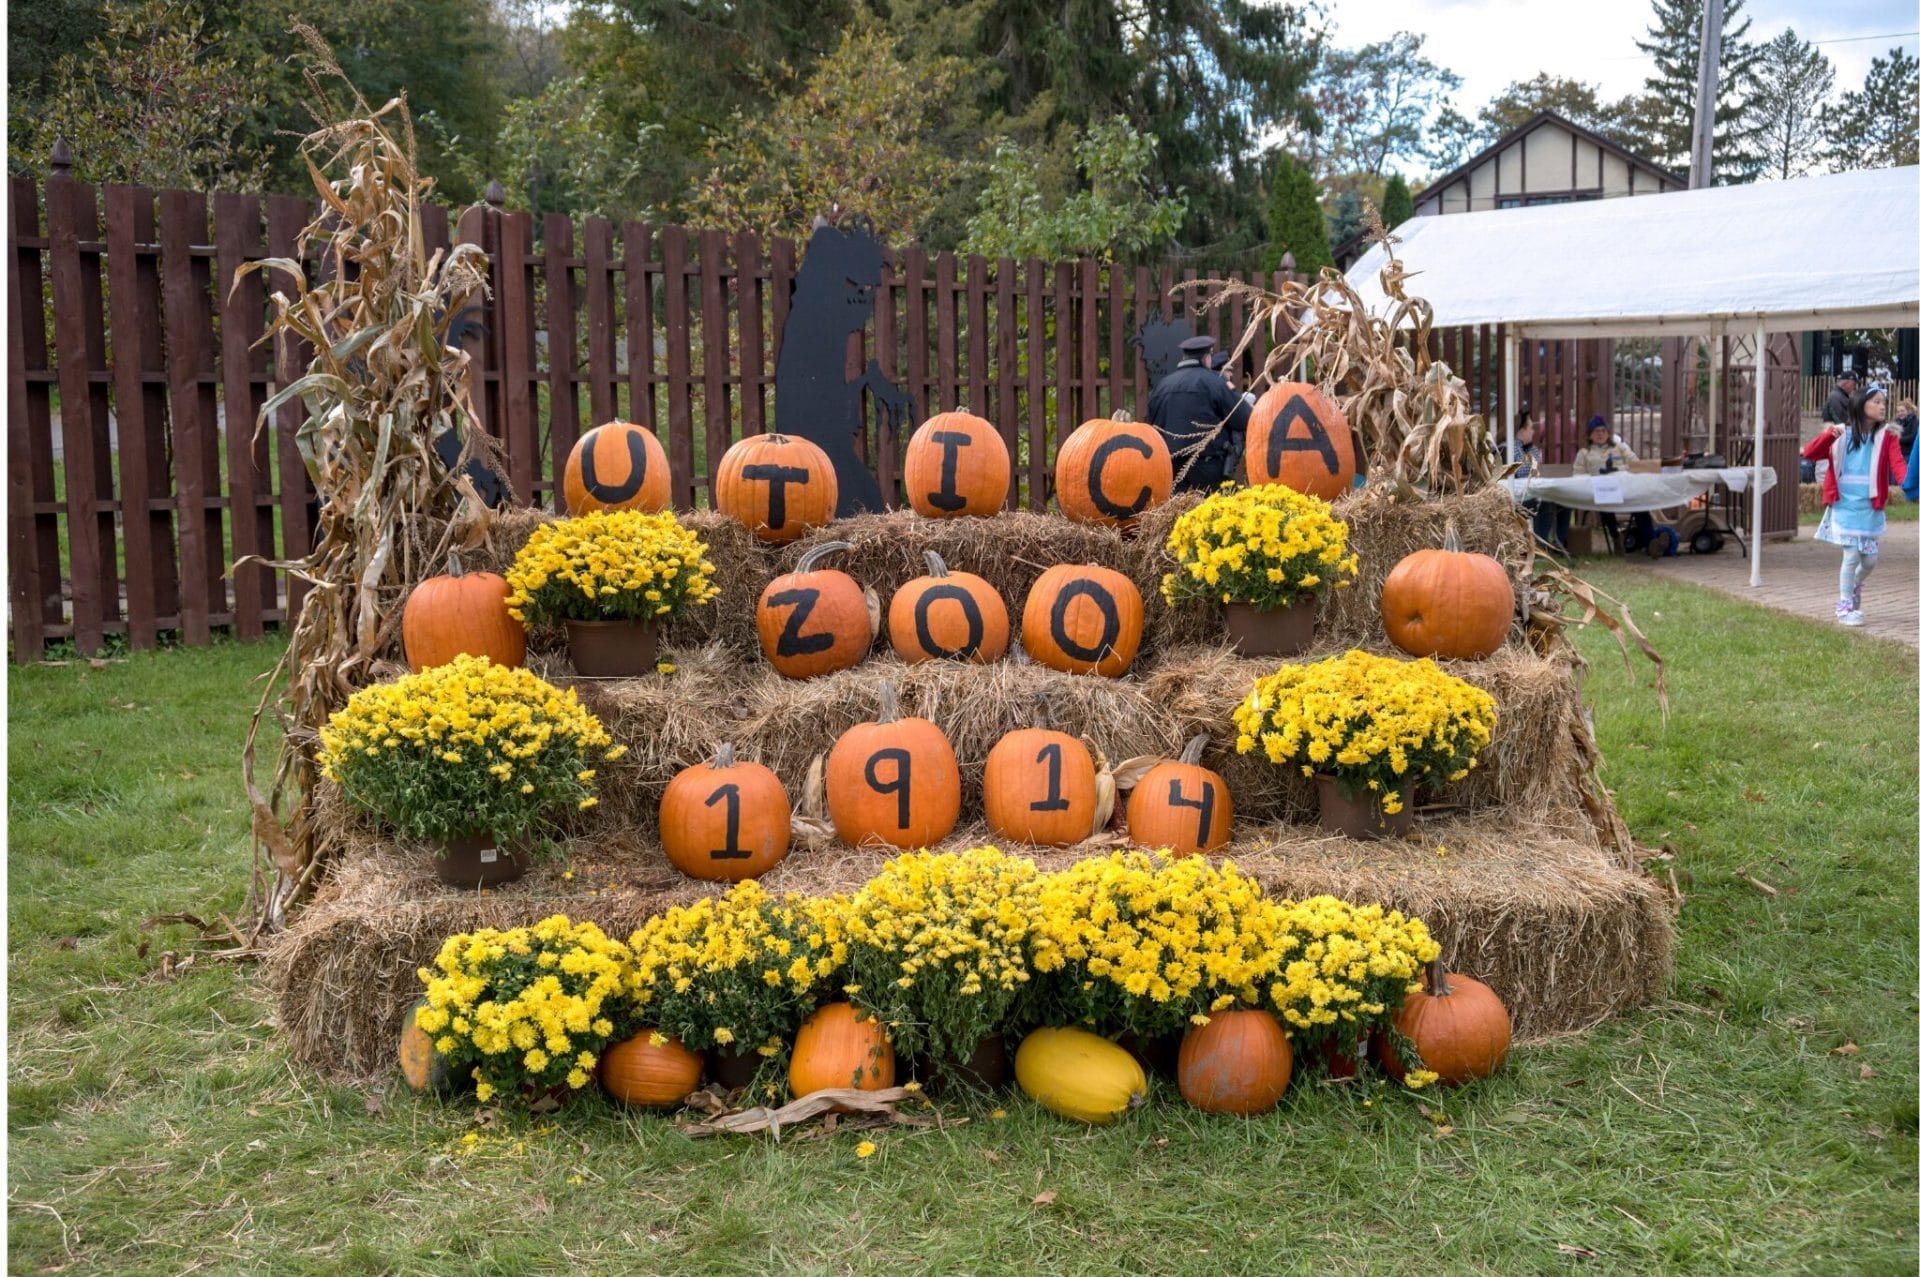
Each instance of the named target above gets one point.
<point>1849,39</point>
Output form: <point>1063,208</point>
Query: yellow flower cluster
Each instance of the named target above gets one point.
<point>610,565</point>
<point>1378,723</point>
<point>464,748</point>
<point>528,1008</point>
<point>1352,966</point>
<point>1267,546</point>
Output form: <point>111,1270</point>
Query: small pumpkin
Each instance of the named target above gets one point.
<point>946,615</point>
<point>839,1047</point>
<point>1181,806</point>
<point>424,1068</point>
<point>893,781</point>
<point>461,613</point>
<point>725,820</point>
<point>1237,1062</point>
<point>778,485</point>
<point>1447,603</point>
<point>1079,1075</point>
<point>646,1075</point>
<point>1083,619</point>
<point>1458,1025</point>
<point>1112,471</point>
<point>1297,436</point>
<point>957,464</point>
<point>814,621</point>
<point>1041,787</point>
<point>617,466</point>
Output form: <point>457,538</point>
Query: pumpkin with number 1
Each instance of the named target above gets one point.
<point>617,466</point>
<point>1181,806</point>
<point>1040,787</point>
<point>778,485</point>
<point>946,615</point>
<point>893,781</point>
<point>814,620</point>
<point>1112,472</point>
<point>1298,437</point>
<point>1083,619</point>
<point>957,464</point>
<point>461,614</point>
<point>725,820</point>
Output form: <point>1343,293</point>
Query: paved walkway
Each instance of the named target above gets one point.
<point>1802,576</point>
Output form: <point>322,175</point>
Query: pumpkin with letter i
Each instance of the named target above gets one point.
<point>1458,1025</point>
<point>617,466</point>
<point>947,616</point>
<point>1181,806</point>
<point>1083,619</point>
<point>461,614</point>
<point>1112,472</point>
<point>894,781</point>
<point>725,820</point>
<point>957,464</point>
<point>1447,603</point>
<point>840,1047</point>
<point>1238,1062</point>
<point>649,1075</point>
<point>778,485</point>
<point>814,621</point>
<point>1298,437</point>
<point>1041,788</point>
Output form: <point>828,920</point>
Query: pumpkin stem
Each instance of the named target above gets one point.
<point>889,703</point>
<point>454,569</point>
<point>723,757</point>
<point>1195,747</point>
<point>819,552</point>
<point>936,566</point>
<point>1122,416</point>
<point>1452,539</point>
<point>1437,978</point>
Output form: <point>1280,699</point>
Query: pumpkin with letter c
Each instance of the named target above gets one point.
<point>1181,806</point>
<point>649,1075</point>
<point>461,614</point>
<point>893,781</point>
<point>814,621</point>
<point>947,616</point>
<point>1040,787</point>
<point>840,1047</point>
<point>1083,619</point>
<point>1112,472</point>
<point>1458,1025</point>
<point>778,485</point>
<point>1447,603</point>
<point>617,466</point>
<point>1238,1062</point>
<point>957,464</point>
<point>725,820</point>
<point>1298,437</point>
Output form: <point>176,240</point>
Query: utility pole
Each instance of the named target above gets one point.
<point>1706,95</point>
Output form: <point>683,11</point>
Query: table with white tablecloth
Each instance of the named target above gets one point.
<point>1626,492</point>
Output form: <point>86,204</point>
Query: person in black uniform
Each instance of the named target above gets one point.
<point>1186,406</point>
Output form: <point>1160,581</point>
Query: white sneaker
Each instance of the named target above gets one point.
<point>1853,618</point>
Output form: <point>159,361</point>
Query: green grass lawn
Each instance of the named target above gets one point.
<point>1761,1118</point>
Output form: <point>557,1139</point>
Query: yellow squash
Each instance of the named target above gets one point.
<point>1079,1075</point>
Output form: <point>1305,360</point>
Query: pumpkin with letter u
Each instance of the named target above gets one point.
<point>893,781</point>
<point>778,485</point>
<point>1083,619</point>
<point>1112,472</point>
<point>1040,787</point>
<point>617,466</point>
<point>814,620</point>
<point>957,464</point>
<point>1299,437</point>
<point>946,615</point>
<point>1181,806</point>
<point>725,820</point>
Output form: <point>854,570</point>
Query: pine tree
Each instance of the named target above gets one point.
<point>1789,105</point>
<point>1397,205</point>
<point>1294,221</point>
<point>1660,123</point>
<point>1878,125</point>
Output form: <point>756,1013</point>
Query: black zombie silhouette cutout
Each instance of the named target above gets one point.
<point>812,398</point>
<point>1159,342</point>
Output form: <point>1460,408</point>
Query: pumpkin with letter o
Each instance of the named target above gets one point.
<point>649,1075</point>
<point>1181,806</point>
<point>1299,437</point>
<point>617,466</point>
<point>1458,1025</point>
<point>813,621</point>
<point>461,614</point>
<point>893,781</point>
<point>778,485</point>
<point>1238,1062</point>
<point>840,1047</point>
<point>957,464</point>
<point>1447,603</point>
<point>1041,788</point>
<point>944,615</point>
<point>1083,619</point>
<point>725,820</point>
<point>1112,472</point>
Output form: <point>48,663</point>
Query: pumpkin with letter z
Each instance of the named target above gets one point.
<point>813,621</point>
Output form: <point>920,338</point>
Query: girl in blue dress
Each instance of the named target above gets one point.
<point>1863,458</point>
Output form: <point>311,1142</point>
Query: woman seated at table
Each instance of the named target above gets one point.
<point>1549,520</point>
<point>1605,454</point>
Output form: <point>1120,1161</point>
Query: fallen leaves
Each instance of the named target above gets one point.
<point>839,1106</point>
<point>1044,1198</point>
<point>1846,1048</point>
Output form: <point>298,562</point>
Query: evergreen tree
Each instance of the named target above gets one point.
<point>1348,216</point>
<point>1658,123</point>
<point>1397,207</point>
<point>1878,124</point>
<point>1789,105</point>
<point>1294,221</point>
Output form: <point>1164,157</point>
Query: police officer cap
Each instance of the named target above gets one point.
<point>1197,345</point>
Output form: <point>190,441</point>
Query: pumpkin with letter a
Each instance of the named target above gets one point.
<point>893,781</point>
<point>778,485</point>
<point>957,464</point>
<point>1041,788</point>
<point>725,820</point>
<point>647,1074</point>
<point>814,621</point>
<point>1079,1075</point>
<point>461,614</point>
<point>1299,437</point>
<point>424,1068</point>
<point>1083,619</point>
<point>840,1047</point>
<point>1458,1025</point>
<point>1238,1062</point>
<point>1181,806</point>
<point>1112,471</point>
<point>617,466</point>
<point>1447,603</point>
<point>946,615</point>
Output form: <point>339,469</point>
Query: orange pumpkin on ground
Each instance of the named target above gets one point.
<point>957,464</point>
<point>947,616</point>
<point>839,1047</point>
<point>778,485</point>
<point>1083,619</point>
<point>461,613</point>
<point>725,820</point>
<point>1299,437</point>
<point>814,622</point>
<point>640,1073</point>
<point>1041,787</point>
<point>1181,806</point>
<point>617,466</point>
<point>894,781</point>
<point>1112,471</point>
<point>1237,1062</point>
<point>424,1068</point>
<point>1447,603</point>
<point>1458,1025</point>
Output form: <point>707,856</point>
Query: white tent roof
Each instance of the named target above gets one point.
<point>1839,251</point>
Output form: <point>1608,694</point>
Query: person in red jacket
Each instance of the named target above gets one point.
<point>1863,459</point>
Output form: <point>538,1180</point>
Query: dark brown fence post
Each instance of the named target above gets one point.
<point>978,343</point>
<point>183,227</point>
<point>1117,362</point>
<point>140,407</point>
<point>287,217</point>
<point>563,385</point>
<point>33,530</point>
<point>1086,288</point>
<point>1063,402</point>
<point>602,405</point>
<point>713,353</point>
<point>750,297</point>
<point>514,310</point>
<point>636,255</point>
<point>947,376</point>
<point>1006,333</point>
<point>673,269</point>
<point>242,309</point>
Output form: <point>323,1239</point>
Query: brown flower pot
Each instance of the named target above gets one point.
<point>1158,1056</point>
<point>1361,817</point>
<point>733,1069</point>
<point>612,649</point>
<point>476,860</point>
<point>986,1069</point>
<point>1280,631</point>
<point>1337,1063</point>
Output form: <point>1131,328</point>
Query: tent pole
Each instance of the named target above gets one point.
<point>1510,374</point>
<point>1759,440</point>
<point>1715,335</point>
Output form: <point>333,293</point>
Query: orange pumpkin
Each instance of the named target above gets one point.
<point>894,781</point>
<point>1238,1062</point>
<point>957,464</point>
<point>617,466</point>
<point>1458,1025</point>
<point>840,1047</point>
<point>1041,788</point>
<point>814,622</point>
<point>778,485</point>
<point>647,1076</point>
<point>947,616</point>
<point>1083,619</point>
<point>1299,437</point>
<point>424,1068</point>
<point>1447,603</point>
<point>1181,806</point>
<point>1112,471</point>
<point>725,820</point>
<point>461,613</point>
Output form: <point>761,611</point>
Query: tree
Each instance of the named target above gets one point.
<point>1294,221</point>
<point>558,151</point>
<point>1792,82</point>
<point>1520,101</point>
<point>1374,104</point>
<point>1878,124</point>
<point>1658,122</point>
<point>1348,216</point>
<point>1118,216</point>
<point>1397,206</point>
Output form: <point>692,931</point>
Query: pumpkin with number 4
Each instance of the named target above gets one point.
<point>944,615</point>
<point>778,485</point>
<point>461,614</point>
<point>1112,472</point>
<point>814,621</point>
<point>1041,788</point>
<point>617,466</point>
<point>1181,806</point>
<point>649,1075</point>
<point>1458,1025</point>
<point>1298,437</point>
<point>894,781</point>
<point>1238,1062</point>
<point>957,464</point>
<point>1447,603</point>
<point>840,1047</point>
<point>725,820</point>
<point>1083,619</point>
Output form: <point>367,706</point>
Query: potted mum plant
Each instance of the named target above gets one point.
<point>1269,554</point>
<point>613,577</point>
<point>1369,730</point>
<point>471,757</point>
